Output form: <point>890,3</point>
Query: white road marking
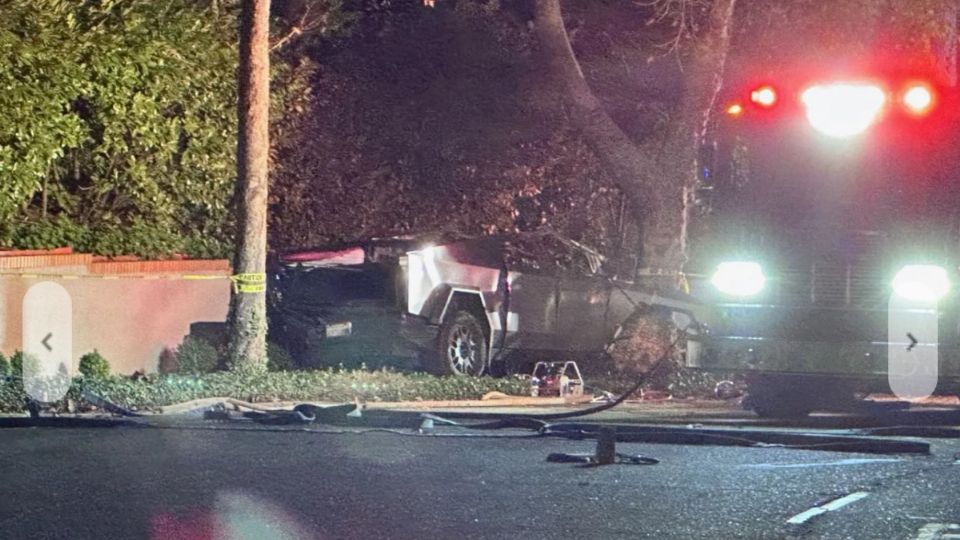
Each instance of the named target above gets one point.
<point>855,461</point>
<point>938,531</point>
<point>835,504</point>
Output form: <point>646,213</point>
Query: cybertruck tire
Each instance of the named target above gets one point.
<point>461,347</point>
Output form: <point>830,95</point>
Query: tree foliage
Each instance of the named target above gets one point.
<point>118,132</point>
<point>429,119</point>
<point>122,112</point>
<point>774,38</point>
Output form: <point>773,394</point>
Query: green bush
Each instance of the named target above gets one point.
<point>4,365</point>
<point>12,396</point>
<point>196,356</point>
<point>17,361</point>
<point>50,233</point>
<point>167,363</point>
<point>94,366</point>
<point>138,237</point>
<point>278,359</point>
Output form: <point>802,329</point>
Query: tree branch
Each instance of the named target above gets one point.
<point>305,24</point>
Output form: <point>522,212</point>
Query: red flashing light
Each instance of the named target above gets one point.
<point>764,96</point>
<point>918,99</point>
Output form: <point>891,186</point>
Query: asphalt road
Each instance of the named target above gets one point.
<point>169,483</point>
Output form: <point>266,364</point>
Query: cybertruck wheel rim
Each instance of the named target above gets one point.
<point>464,350</point>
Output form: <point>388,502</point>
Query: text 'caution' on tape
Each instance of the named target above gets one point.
<point>251,282</point>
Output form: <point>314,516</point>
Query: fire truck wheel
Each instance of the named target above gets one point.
<point>461,346</point>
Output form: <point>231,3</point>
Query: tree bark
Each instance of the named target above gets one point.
<point>696,112</point>
<point>629,167</point>
<point>248,321</point>
<point>656,176</point>
<point>947,46</point>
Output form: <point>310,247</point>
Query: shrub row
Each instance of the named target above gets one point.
<point>193,357</point>
<point>321,385</point>
<point>92,365</point>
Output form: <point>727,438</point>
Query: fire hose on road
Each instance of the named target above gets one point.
<point>216,413</point>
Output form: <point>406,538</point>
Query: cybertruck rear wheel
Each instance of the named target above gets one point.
<point>461,346</point>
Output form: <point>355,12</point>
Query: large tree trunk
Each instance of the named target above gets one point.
<point>654,177</point>
<point>248,321</point>
<point>630,168</point>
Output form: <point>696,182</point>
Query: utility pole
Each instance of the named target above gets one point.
<point>248,307</point>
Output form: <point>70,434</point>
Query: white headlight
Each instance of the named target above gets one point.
<point>921,283</point>
<point>843,110</point>
<point>739,278</point>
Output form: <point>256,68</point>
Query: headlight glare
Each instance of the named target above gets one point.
<point>739,278</point>
<point>921,283</point>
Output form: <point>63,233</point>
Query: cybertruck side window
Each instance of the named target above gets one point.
<point>546,254</point>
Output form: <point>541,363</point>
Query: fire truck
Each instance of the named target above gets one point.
<point>829,238</point>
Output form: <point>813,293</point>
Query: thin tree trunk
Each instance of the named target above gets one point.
<point>699,103</point>
<point>248,322</point>
<point>43,196</point>
<point>947,48</point>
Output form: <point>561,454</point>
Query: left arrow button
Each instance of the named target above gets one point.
<point>46,339</point>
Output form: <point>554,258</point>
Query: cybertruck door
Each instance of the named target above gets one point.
<point>583,300</point>
<point>532,317</point>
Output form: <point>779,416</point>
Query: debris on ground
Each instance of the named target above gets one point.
<point>946,400</point>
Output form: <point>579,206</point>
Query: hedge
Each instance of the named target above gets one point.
<point>321,385</point>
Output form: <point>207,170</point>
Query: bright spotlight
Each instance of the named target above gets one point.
<point>921,283</point>
<point>843,110</point>
<point>738,278</point>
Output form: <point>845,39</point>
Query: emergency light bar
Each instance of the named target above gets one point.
<point>843,108</point>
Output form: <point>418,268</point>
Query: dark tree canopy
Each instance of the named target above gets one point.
<point>121,119</point>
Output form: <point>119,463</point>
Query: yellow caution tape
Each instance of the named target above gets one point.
<point>201,276</point>
<point>684,283</point>
<point>249,283</point>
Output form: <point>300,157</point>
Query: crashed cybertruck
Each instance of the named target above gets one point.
<point>831,247</point>
<point>462,306</point>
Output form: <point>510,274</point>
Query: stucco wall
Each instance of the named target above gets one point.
<point>128,318</point>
